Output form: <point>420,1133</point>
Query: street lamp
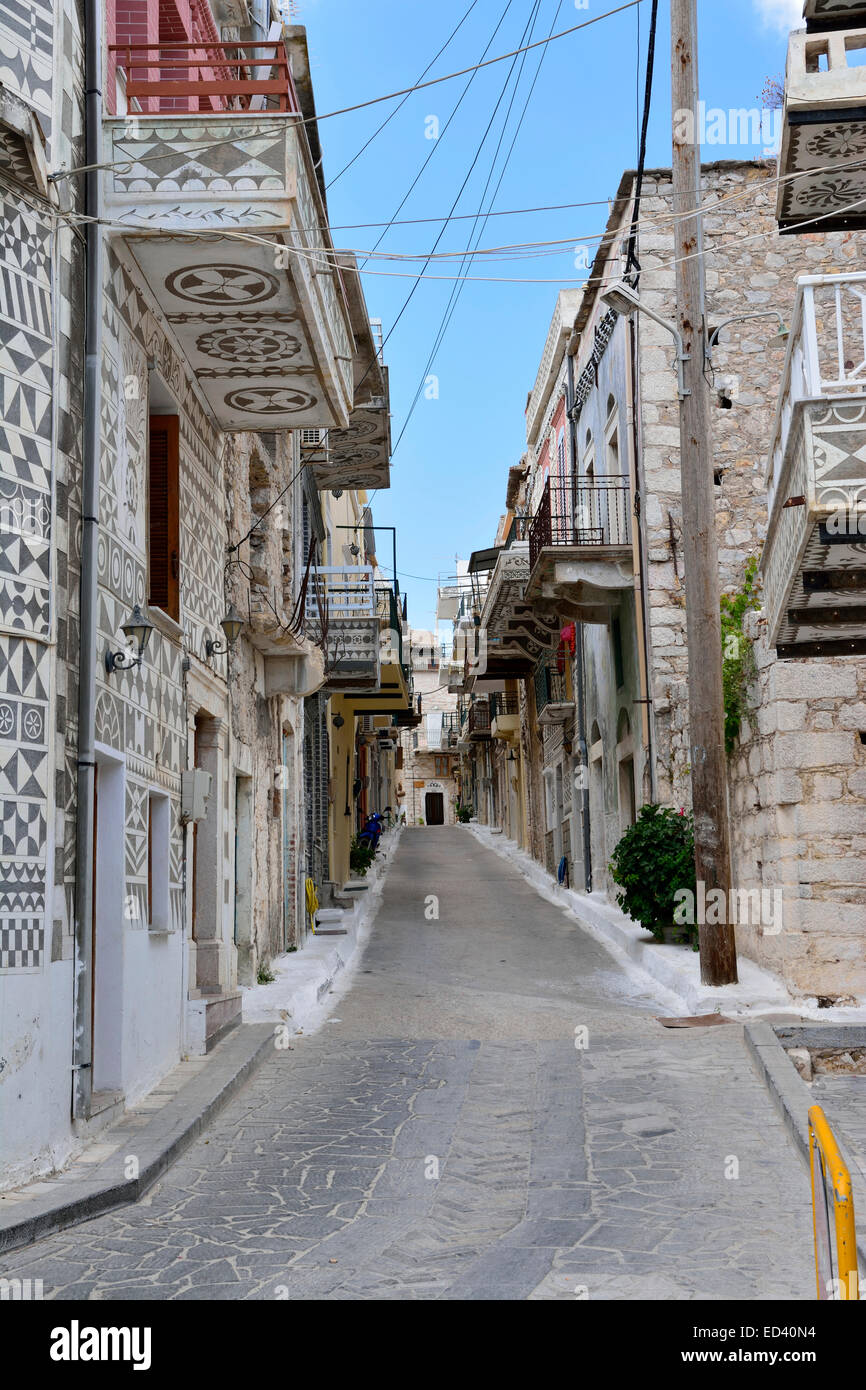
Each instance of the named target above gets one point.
<point>781,336</point>
<point>231,625</point>
<point>137,629</point>
<point>626,301</point>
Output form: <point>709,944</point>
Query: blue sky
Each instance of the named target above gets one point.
<point>579,134</point>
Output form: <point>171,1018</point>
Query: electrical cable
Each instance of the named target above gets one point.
<point>405,91</point>
<point>458,290</point>
<point>401,104</point>
<point>434,147</point>
<point>631,257</point>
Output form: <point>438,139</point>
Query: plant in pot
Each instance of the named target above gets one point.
<point>654,860</point>
<point>463,813</point>
<point>361,856</point>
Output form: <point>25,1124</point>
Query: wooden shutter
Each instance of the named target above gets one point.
<point>164,515</point>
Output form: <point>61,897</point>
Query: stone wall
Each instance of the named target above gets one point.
<point>750,269</point>
<point>798,819</point>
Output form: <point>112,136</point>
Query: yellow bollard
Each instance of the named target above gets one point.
<point>831,1186</point>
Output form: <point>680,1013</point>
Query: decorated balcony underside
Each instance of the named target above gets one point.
<point>358,456</point>
<point>822,177</point>
<point>262,317</point>
<point>514,633</point>
<point>830,13</point>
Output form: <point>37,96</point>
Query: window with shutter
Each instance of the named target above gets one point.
<point>164,515</point>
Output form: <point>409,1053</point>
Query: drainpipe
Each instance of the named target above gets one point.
<point>260,14</point>
<point>82,1039</point>
<point>571,349</point>
<point>640,492</point>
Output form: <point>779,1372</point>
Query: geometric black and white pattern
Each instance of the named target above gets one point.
<point>22,943</point>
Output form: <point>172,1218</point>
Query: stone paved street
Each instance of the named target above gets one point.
<point>454,1054</point>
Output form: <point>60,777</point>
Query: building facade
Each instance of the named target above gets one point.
<point>190,639</point>
<point>602,710</point>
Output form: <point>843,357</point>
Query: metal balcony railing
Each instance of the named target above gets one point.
<point>340,592</point>
<point>449,728</point>
<point>551,687</point>
<point>479,719</point>
<point>207,76</point>
<point>391,620</point>
<point>503,704</point>
<point>590,512</point>
<point>518,530</point>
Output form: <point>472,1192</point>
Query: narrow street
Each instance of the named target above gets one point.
<point>441,1136</point>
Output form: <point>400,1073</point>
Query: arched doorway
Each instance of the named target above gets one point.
<point>434,808</point>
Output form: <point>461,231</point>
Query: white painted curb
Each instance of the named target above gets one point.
<point>305,990</point>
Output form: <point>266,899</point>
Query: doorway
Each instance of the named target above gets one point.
<point>434,804</point>
<point>111,913</point>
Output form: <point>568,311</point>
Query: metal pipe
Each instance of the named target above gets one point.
<point>82,1037</point>
<point>640,522</point>
<point>579,653</point>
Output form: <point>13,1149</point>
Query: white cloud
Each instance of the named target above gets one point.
<point>781,14</point>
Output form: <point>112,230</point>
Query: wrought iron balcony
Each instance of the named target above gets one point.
<point>269,324</point>
<point>822,181</point>
<point>445,735</point>
<point>580,553</point>
<point>504,716</point>
<point>814,559</point>
<point>341,613</point>
<point>478,724</point>
<point>591,514</point>
<point>554,702</point>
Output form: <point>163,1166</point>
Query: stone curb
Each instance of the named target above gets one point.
<point>305,979</point>
<point>793,1099</point>
<point>83,1192</point>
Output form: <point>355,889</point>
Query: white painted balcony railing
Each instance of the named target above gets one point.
<point>341,611</point>
<point>814,561</point>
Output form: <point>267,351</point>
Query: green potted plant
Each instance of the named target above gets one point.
<point>361,856</point>
<point>652,862</point>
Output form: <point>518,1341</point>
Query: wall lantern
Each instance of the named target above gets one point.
<point>137,629</point>
<point>231,625</point>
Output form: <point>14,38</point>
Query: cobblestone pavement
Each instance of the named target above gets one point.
<point>443,1137</point>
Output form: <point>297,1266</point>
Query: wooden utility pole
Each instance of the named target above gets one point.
<point>700,548</point>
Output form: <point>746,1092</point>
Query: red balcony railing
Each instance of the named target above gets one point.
<point>593,511</point>
<point>206,76</point>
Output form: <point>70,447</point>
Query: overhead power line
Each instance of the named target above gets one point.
<point>400,105</point>
<point>391,96</point>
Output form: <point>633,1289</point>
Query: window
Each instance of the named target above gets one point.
<point>589,455</point>
<point>163,541</point>
<point>611,436</point>
<point>616,641</point>
<point>440,767</point>
<point>157,861</point>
